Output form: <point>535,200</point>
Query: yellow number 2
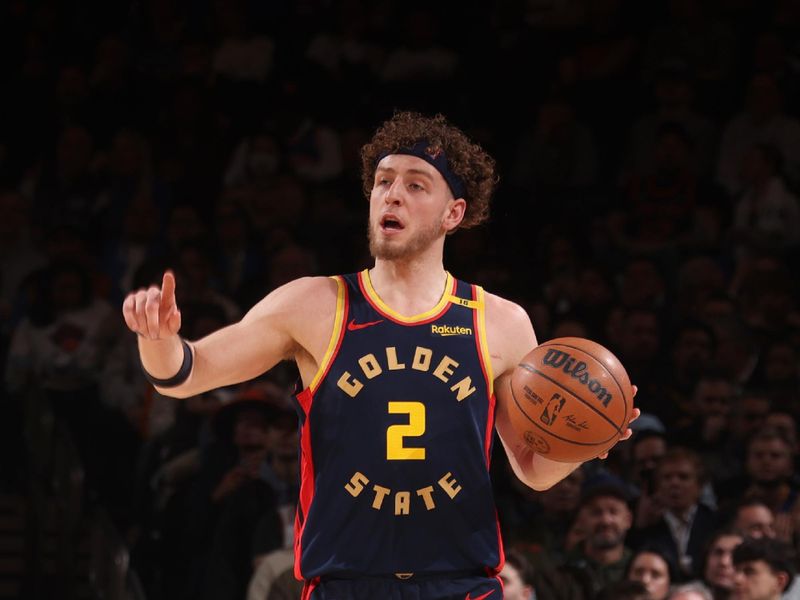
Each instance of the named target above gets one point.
<point>395,450</point>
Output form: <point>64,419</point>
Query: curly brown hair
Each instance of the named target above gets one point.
<point>464,158</point>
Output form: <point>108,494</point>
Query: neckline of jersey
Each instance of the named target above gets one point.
<point>384,309</point>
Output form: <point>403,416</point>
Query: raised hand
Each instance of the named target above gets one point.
<point>153,313</point>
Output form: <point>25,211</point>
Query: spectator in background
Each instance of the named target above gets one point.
<point>717,573</point>
<point>258,496</point>
<point>752,518</point>
<point>764,569</point>
<point>694,33</point>
<point>65,189</point>
<point>736,349</point>
<point>242,55</point>
<point>653,569</point>
<point>685,524</point>
<point>768,298</point>
<point>673,91</point>
<point>690,591</point>
<point>239,260</point>
<point>642,284</point>
<point>184,225</point>
<point>209,523</point>
<point>556,157</point>
<point>517,576</point>
<point>137,245</point>
<point>60,348</point>
<point>782,418</point>
<point>345,48</point>
<point>553,515</point>
<point>127,177</point>
<point>421,56</point>
<point>595,297</point>
<point>19,255</point>
<point>662,201</point>
<point>196,274</point>
<point>755,520</point>
<point>691,353</point>
<point>602,557</point>
<point>767,475</point>
<point>763,121</point>
<point>700,277</point>
<point>708,433</point>
<point>766,217</point>
<point>118,95</point>
<point>778,369</point>
<point>648,447</point>
<point>638,347</point>
<point>256,159</point>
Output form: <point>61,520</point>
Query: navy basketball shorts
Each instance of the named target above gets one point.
<point>468,587</point>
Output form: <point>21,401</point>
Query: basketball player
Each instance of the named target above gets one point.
<point>405,371</point>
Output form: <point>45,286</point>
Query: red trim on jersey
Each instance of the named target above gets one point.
<point>305,398</point>
<point>489,431</point>
<point>307,483</point>
<point>502,556</point>
<point>445,308</point>
<point>309,588</point>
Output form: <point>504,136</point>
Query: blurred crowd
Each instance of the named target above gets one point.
<point>649,161</point>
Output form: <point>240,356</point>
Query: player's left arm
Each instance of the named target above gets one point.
<point>510,337</point>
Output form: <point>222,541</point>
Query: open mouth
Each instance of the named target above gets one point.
<point>391,223</point>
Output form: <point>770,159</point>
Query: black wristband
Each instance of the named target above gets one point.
<point>179,377</point>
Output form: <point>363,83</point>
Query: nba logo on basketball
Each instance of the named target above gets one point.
<point>552,409</point>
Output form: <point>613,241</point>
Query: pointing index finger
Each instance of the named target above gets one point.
<point>168,289</point>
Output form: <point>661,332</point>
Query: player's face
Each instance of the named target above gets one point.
<point>719,564</point>
<point>755,580</point>
<point>410,208</point>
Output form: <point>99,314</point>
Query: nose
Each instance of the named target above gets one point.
<point>393,194</point>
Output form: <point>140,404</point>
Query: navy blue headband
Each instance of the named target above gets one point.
<point>435,157</point>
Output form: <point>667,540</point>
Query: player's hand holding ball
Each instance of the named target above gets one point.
<point>572,400</point>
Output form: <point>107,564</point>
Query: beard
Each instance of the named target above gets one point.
<point>391,250</point>
<point>605,540</point>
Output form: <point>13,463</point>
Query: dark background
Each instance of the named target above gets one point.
<point>648,153</point>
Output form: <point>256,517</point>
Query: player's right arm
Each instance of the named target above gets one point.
<point>275,329</point>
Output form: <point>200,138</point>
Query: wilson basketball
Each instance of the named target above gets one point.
<point>572,399</point>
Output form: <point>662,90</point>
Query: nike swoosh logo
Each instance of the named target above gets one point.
<point>481,597</point>
<point>353,326</point>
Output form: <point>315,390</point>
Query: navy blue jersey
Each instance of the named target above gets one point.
<point>396,441</point>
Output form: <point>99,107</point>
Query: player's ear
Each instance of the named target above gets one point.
<point>455,212</point>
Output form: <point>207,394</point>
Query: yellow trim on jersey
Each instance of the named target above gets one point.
<point>481,333</point>
<point>373,295</point>
<point>465,302</point>
<point>338,323</point>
